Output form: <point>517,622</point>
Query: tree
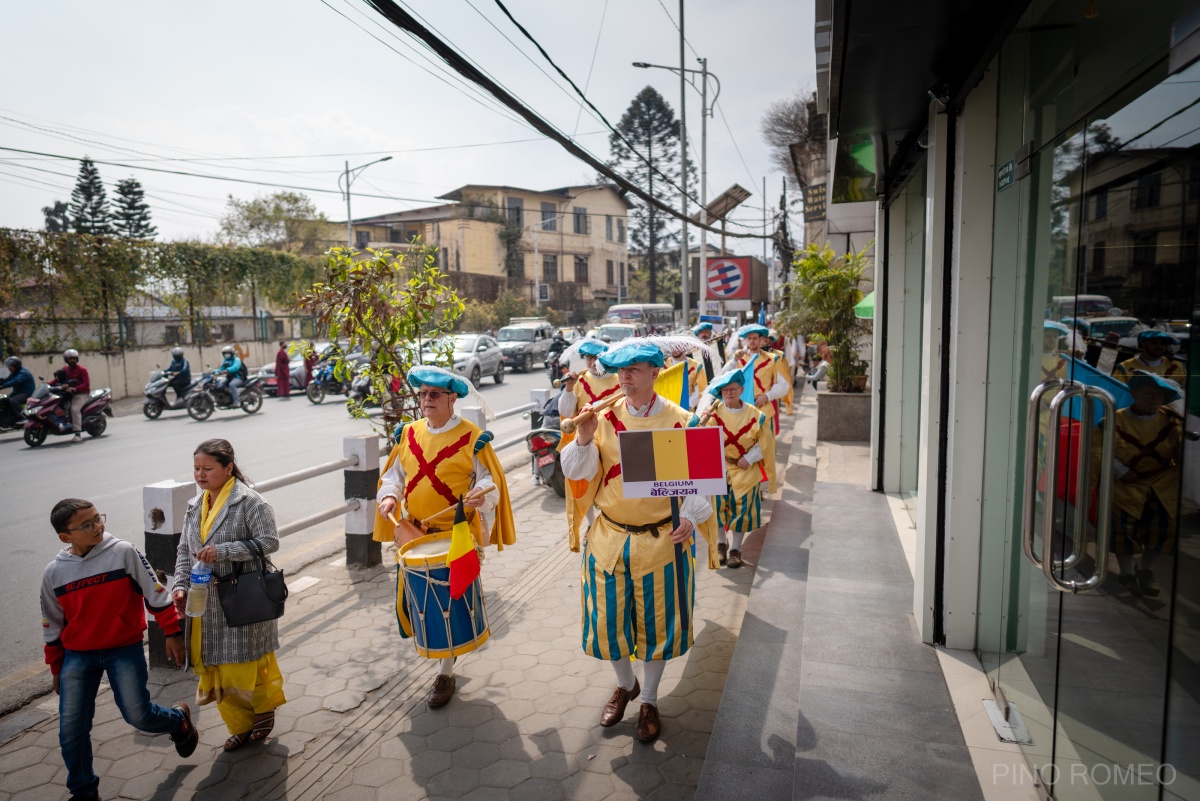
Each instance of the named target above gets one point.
<point>394,309</point>
<point>131,216</point>
<point>795,121</point>
<point>58,218</point>
<point>281,221</point>
<point>89,206</point>
<point>647,154</point>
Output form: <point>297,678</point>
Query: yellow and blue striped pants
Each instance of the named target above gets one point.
<point>625,616</point>
<point>740,512</point>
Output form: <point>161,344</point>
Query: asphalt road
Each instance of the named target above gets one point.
<point>111,470</point>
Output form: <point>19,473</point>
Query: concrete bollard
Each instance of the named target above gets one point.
<point>362,482</point>
<point>473,414</point>
<point>163,508</point>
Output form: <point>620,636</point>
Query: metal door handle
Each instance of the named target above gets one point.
<point>1032,424</point>
<point>1083,485</point>
<point>1048,563</point>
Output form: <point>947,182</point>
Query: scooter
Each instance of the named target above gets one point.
<point>211,394</point>
<point>542,443</point>
<point>157,400</point>
<point>48,412</point>
<point>325,382</point>
<point>9,420</point>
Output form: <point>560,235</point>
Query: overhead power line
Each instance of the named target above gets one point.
<point>406,22</point>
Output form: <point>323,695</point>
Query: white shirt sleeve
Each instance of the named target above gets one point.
<point>483,480</point>
<point>393,483</point>
<point>567,403</point>
<point>696,508</point>
<point>580,462</point>
<point>778,389</point>
<point>755,454</point>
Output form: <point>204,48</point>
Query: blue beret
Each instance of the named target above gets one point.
<point>753,328</point>
<point>733,377</point>
<point>1146,336</point>
<point>1142,379</point>
<point>592,347</point>
<point>696,329</point>
<point>424,375</point>
<point>634,352</point>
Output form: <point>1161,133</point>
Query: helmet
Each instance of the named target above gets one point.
<point>13,363</point>
<point>177,353</point>
<point>227,350</point>
<point>70,353</point>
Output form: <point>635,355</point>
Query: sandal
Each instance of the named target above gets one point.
<point>262,726</point>
<point>237,741</point>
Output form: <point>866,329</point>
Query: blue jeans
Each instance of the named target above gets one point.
<point>78,683</point>
<point>232,384</point>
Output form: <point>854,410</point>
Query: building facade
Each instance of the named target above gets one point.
<point>1020,153</point>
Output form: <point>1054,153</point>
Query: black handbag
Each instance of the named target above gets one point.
<point>252,596</point>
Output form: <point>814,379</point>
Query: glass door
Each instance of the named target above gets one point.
<point>1079,582</point>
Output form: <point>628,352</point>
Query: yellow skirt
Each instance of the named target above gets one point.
<point>241,690</point>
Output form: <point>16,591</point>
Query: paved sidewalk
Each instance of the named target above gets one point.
<point>523,723</point>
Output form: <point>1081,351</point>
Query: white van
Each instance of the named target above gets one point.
<point>1081,306</point>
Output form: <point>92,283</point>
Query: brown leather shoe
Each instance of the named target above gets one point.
<point>442,692</point>
<point>614,710</point>
<point>722,551</point>
<point>735,558</point>
<point>648,725</point>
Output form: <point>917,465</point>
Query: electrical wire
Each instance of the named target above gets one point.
<point>405,21</point>
<point>735,144</point>
<point>592,66</point>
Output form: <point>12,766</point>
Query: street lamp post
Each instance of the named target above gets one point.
<point>706,111</point>
<point>349,175</point>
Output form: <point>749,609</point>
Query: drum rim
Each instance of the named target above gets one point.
<point>435,560</point>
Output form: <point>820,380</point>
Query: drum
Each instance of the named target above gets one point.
<point>440,627</point>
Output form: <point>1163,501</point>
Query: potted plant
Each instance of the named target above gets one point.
<point>821,299</point>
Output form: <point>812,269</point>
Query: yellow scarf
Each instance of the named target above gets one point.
<point>209,516</point>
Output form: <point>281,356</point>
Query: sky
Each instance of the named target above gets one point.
<point>286,91</point>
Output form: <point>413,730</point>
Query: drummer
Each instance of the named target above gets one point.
<point>631,574</point>
<point>437,459</point>
<point>594,386</point>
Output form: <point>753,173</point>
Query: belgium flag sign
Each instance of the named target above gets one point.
<point>672,462</point>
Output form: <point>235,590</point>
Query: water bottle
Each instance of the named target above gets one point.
<point>197,597</point>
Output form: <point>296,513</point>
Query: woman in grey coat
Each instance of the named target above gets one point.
<point>236,666</point>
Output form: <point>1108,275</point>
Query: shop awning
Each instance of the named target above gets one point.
<point>865,308</point>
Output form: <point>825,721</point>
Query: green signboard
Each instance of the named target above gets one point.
<point>1006,176</point>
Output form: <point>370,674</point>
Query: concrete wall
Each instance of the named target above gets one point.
<point>126,372</point>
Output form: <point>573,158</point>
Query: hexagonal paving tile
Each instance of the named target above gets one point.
<point>344,701</point>
<point>29,777</point>
<point>427,764</point>
<point>378,772</point>
<point>454,783</point>
<point>476,755</point>
<point>449,738</point>
<point>504,773</point>
<point>135,764</point>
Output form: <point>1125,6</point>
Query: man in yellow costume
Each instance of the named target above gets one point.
<point>771,378</point>
<point>1145,500</point>
<point>436,460</point>
<point>1155,347</point>
<point>636,592</point>
<point>697,378</point>
<point>749,447</point>
<point>593,387</point>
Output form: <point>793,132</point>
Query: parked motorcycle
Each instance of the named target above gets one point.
<point>542,443</point>
<point>324,382</point>
<point>48,412</point>
<point>9,420</point>
<point>211,393</point>
<point>158,394</point>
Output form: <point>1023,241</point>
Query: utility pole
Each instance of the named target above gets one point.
<point>349,225</point>
<point>683,239</point>
<point>702,280</point>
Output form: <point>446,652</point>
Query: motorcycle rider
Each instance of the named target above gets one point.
<point>180,372</point>
<point>22,384</point>
<point>232,368</point>
<point>557,346</point>
<point>74,380</point>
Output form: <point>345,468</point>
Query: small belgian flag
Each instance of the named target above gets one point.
<point>462,559</point>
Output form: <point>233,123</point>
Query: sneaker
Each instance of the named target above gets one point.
<point>77,438</point>
<point>1149,585</point>
<point>1130,583</point>
<point>186,737</point>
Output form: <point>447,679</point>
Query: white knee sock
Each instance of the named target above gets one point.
<point>652,673</point>
<point>446,666</point>
<point>624,670</point>
<point>737,541</point>
<point>722,537</point>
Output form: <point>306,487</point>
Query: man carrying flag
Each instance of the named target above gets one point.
<point>593,387</point>
<point>766,371</point>
<point>442,463</point>
<point>636,591</point>
<point>749,447</point>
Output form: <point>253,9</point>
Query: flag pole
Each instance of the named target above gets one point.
<point>680,562</point>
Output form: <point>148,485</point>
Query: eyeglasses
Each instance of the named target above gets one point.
<point>91,525</point>
<point>428,394</point>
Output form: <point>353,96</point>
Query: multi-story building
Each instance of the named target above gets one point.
<point>566,246</point>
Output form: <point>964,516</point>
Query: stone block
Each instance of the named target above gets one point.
<point>843,416</point>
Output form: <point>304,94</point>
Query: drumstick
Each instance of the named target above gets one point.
<point>558,382</point>
<point>568,425</point>
<point>455,506</point>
